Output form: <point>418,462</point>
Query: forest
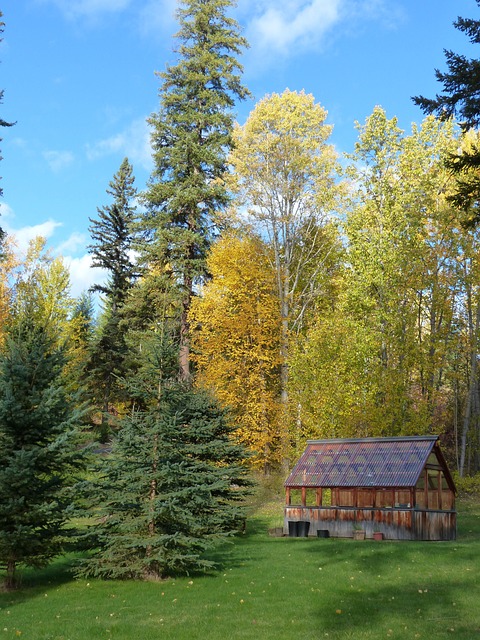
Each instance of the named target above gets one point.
<point>262,290</point>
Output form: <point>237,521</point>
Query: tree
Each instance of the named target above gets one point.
<point>285,173</point>
<point>113,238</point>
<point>9,263</point>
<point>461,98</point>
<point>236,339</point>
<point>191,137</point>
<point>39,457</point>
<point>173,483</point>
<point>41,290</point>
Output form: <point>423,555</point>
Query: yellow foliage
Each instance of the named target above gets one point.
<point>235,341</point>
<point>9,264</point>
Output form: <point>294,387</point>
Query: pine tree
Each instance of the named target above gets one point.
<point>113,238</point>
<point>461,98</point>
<point>191,138</point>
<point>172,485</point>
<point>38,457</point>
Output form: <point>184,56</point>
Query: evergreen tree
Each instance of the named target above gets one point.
<point>172,484</point>
<point>461,98</point>
<point>38,457</point>
<point>191,139</point>
<point>113,239</point>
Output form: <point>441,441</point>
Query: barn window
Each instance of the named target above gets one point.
<point>326,498</point>
<point>296,497</point>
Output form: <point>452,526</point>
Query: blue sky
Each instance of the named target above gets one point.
<point>78,77</point>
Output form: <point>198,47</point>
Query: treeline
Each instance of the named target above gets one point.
<point>261,291</point>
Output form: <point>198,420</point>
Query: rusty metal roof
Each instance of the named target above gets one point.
<point>364,462</point>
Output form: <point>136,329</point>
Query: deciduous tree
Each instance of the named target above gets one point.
<point>236,342</point>
<point>285,173</point>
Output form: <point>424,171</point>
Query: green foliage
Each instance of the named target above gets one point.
<point>38,456</point>
<point>460,97</point>
<point>468,485</point>
<point>191,137</point>
<point>113,238</point>
<point>172,486</point>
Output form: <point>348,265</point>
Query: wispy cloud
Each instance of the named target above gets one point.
<point>58,160</point>
<point>290,27</point>
<point>73,9</point>
<point>158,16</point>
<point>285,26</point>
<point>75,242</point>
<point>133,142</point>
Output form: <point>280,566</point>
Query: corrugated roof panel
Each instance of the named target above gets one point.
<point>366,462</point>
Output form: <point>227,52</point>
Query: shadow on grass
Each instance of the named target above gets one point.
<point>31,582</point>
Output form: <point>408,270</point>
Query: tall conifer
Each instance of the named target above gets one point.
<point>191,139</point>
<point>112,241</point>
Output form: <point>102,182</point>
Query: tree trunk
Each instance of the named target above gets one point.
<point>184,351</point>
<point>471,407</point>
<point>11,579</point>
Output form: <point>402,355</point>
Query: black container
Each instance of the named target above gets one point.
<point>293,529</point>
<point>323,533</point>
<point>303,527</point>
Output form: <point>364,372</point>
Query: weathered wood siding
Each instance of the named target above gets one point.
<point>395,524</point>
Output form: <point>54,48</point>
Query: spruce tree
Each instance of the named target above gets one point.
<point>113,238</point>
<point>191,139</point>
<point>38,453</point>
<point>174,481</point>
<point>461,98</point>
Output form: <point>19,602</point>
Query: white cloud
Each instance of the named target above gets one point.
<point>133,142</point>
<point>285,26</point>
<point>58,160</point>
<point>289,27</point>
<point>82,274</point>
<point>23,235</point>
<point>72,244</point>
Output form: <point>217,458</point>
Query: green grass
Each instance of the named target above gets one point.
<point>278,588</point>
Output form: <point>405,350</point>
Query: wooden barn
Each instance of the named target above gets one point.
<point>395,488</point>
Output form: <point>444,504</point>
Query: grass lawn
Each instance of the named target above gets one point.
<point>278,588</point>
